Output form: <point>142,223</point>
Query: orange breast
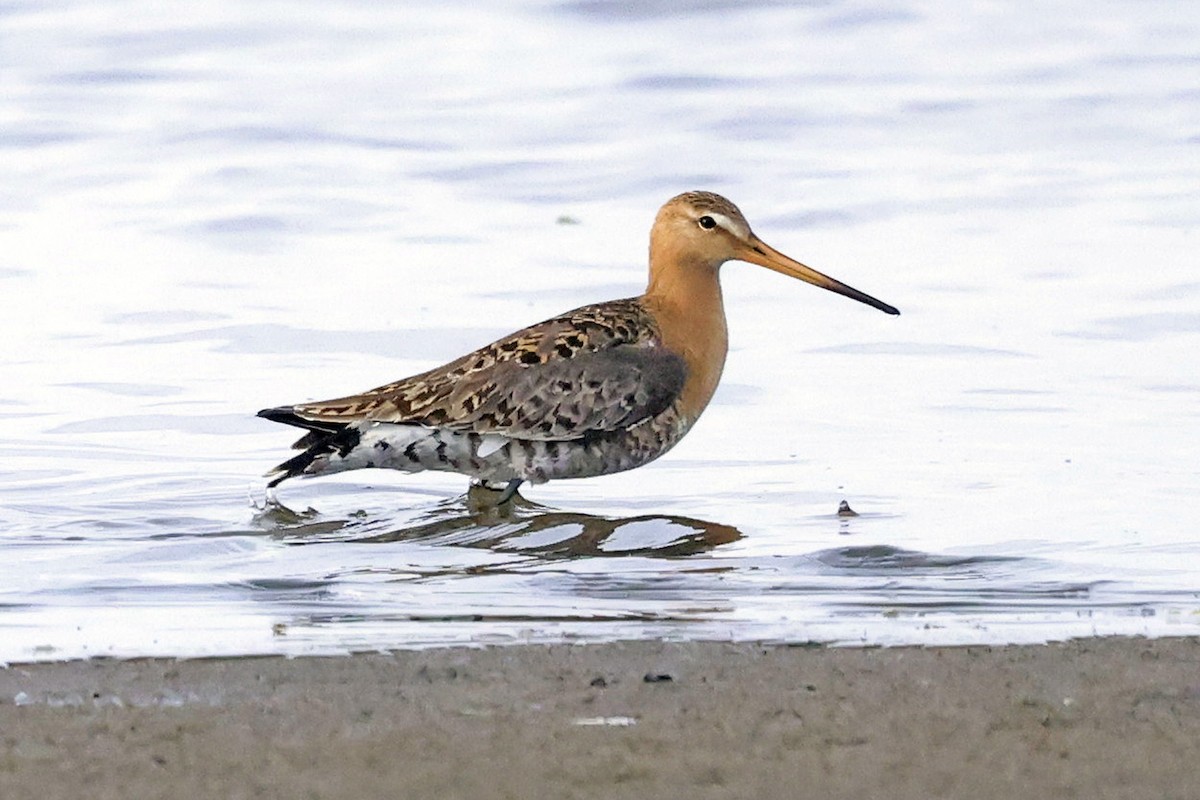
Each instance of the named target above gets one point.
<point>691,319</point>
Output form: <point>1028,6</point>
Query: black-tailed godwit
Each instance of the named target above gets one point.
<point>601,389</point>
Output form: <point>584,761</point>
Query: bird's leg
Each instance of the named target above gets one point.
<point>510,491</point>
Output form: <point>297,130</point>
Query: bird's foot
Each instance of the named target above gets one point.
<point>510,491</point>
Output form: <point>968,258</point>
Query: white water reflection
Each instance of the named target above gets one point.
<point>211,211</point>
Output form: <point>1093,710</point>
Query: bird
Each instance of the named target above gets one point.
<point>601,389</point>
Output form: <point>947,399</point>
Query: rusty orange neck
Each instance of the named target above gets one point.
<point>685,299</point>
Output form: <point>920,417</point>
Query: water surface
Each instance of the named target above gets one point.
<point>237,206</point>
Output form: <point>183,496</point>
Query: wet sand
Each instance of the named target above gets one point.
<point>1101,718</point>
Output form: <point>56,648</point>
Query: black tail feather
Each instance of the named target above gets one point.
<point>323,438</point>
<point>288,416</point>
<point>340,443</point>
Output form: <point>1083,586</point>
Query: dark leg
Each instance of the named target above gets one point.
<point>510,491</point>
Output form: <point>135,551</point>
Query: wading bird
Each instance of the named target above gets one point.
<point>601,389</point>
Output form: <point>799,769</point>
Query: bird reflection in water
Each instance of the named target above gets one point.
<point>475,520</point>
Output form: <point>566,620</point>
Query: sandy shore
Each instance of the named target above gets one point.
<point>1104,718</point>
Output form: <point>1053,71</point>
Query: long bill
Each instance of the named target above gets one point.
<point>762,254</point>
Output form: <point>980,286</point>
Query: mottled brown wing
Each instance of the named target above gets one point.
<point>594,369</point>
<point>576,396</point>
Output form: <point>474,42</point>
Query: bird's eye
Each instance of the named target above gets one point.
<point>707,222</point>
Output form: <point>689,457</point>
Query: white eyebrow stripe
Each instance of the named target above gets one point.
<point>726,223</point>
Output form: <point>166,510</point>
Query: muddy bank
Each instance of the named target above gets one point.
<point>1092,718</point>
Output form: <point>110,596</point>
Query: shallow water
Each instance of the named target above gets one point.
<point>206,213</point>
